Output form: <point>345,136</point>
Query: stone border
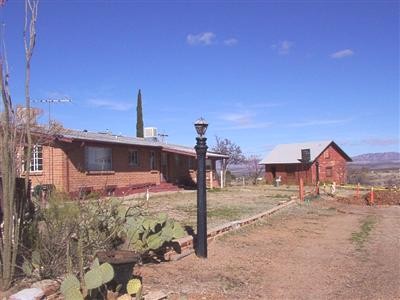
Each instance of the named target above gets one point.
<point>186,243</point>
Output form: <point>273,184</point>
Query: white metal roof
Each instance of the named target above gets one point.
<point>291,153</point>
<point>108,137</point>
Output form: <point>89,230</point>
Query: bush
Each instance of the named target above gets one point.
<point>69,233</point>
<point>65,226</point>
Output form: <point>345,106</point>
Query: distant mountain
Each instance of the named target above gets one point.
<point>376,161</point>
<point>377,157</point>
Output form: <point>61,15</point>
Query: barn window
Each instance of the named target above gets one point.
<point>98,158</point>
<point>327,155</point>
<point>328,171</point>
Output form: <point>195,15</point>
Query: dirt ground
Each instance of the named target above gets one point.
<point>326,250</point>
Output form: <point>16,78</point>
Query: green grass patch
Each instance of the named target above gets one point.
<point>360,237</point>
<point>229,213</point>
<point>216,190</point>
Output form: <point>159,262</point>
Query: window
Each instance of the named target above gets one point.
<point>164,159</point>
<point>177,159</point>
<point>327,154</point>
<point>152,160</point>
<point>37,159</point>
<point>134,158</point>
<point>328,171</point>
<point>208,164</point>
<point>190,163</point>
<point>98,159</point>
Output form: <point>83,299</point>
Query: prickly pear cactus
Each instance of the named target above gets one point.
<point>178,231</point>
<point>133,286</point>
<point>70,282</point>
<point>73,294</point>
<point>145,233</point>
<point>107,272</point>
<point>93,279</point>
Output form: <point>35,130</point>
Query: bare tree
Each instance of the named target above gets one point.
<point>31,12</point>
<point>253,167</point>
<point>229,148</point>
<point>12,139</point>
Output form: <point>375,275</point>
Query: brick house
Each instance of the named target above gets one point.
<point>75,161</point>
<point>284,161</point>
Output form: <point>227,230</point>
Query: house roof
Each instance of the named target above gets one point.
<point>108,137</point>
<point>291,153</point>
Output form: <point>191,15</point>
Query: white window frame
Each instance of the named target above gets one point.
<point>37,159</point>
<point>95,160</point>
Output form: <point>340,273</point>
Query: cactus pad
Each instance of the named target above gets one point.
<point>73,294</point>
<point>70,282</point>
<point>93,279</point>
<point>133,286</point>
<point>107,272</point>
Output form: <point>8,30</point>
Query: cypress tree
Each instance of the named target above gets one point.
<point>139,116</point>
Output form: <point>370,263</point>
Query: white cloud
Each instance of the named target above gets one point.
<point>241,120</point>
<point>238,118</point>
<point>342,53</point>
<point>111,104</point>
<point>317,122</point>
<point>230,42</point>
<point>203,39</point>
<point>283,47</point>
<point>247,126</point>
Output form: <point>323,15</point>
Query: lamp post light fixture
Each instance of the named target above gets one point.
<point>201,151</point>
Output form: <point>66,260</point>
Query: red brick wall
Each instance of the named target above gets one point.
<point>331,158</point>
<point>290,173</point>
<point>64,166</point>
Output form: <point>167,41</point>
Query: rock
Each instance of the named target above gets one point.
<point>49,287</point>
<point>28,294</point>
<point>124,297</point>
<point>155,295</point>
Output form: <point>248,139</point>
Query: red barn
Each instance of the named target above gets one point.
<point>325,158</point>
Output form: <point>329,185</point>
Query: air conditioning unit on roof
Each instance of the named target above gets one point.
<point>150,132</point>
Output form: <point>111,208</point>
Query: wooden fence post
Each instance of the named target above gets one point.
<point>301,189</point>
<point>372,200</point>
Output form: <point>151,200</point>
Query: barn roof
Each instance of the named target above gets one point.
<point>291,153</point>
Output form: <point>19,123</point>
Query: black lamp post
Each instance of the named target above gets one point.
<point>201,150</point>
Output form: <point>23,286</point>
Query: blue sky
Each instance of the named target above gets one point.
<point>260,72</point>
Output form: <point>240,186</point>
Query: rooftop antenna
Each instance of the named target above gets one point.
<point>52,101</point>
<point>162,136</point>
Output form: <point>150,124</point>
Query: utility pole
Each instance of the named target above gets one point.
<point>52,101</point>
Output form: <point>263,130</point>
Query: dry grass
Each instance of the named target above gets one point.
<point>225,205</point>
